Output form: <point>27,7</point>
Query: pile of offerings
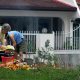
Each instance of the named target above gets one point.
<point>10,50</point>
<point>2,48</point>
<point>15,65</point>
<point>6,52</point>
<point>9,61</point>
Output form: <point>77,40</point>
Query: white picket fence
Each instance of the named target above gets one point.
<point>69,40</point>
<point>59,40</point>
<point>65,42</point>
<point>36,40</point>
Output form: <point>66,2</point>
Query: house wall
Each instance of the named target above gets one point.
<point>65,16</point>
<point>69,2</point>
<point>73,3</point>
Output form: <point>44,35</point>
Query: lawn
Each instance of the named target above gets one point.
<point>42,73</point>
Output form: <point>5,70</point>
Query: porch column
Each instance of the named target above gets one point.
<point>67,27</point>
<point>71,32</point>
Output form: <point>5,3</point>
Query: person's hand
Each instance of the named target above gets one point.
<point>2,48</point>
<point>14,44</point>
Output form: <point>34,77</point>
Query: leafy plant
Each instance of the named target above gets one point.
<point>45,53</point>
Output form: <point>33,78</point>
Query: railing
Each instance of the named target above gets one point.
<point>65,42</point>
<point>36,40</point>
<point>60,41</point>
<point>30,38</point>
<point>65,47</point>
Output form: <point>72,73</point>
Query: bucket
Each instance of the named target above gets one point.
<point>7,59</point>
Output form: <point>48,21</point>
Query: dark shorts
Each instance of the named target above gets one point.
<point>21,47</point>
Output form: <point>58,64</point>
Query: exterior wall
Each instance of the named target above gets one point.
<point>73,3</point>
<point>69,2</point>
<point>36,13</point>
<point>78,10</point>
<point>65,16</point>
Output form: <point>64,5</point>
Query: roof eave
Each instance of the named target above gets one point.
<point>37,8</point>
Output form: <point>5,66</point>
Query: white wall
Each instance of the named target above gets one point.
<point>35,13</point>
<point>43,38</point>
<point>65,16</point>
<point>73,3</point>
<point>78,10</point>
<point>69,2</point>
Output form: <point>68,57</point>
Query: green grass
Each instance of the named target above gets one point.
<point>44,73</point>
